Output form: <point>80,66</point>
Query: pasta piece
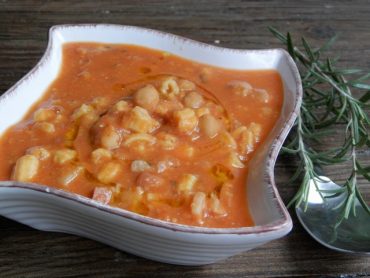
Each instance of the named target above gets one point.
<point>102,195</point>
<point>167,141</point>
<point>262,95</point>
<point>139,190</point>
<point>141,137</point>
<point>215,205</point>
<point>91,117</point>
<point>26,168</point>
<point>186,183</point>
<point>100,155</point>
<point>148,180</point>
<point>202,111</point>
<point>140,121</point>
<point>241,88</point>
<point>71,174</point>
<point>226,194</point>
<point>222,173</point>
<point>235,161</point>
<point>44,115</point>
<point>81,111</point>
<point>100,103</point>
<point>256,130</point>
<point>247,141</point>
<point>45,127</point>
<point>246,138</point>
<point>186,120</point>
<point>165,107</point>
<point>169,88</point>
<point>198,206</point>
<point>163,165</point>
<point>71,135</point>
<point>228,140</point>
<point>64,155</point>
<point>238,132</point>
<point>140,166</point>
<point>40,152</point>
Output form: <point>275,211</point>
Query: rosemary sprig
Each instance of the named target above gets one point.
<point>328,102</point>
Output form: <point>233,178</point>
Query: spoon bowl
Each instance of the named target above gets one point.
<point>319,217</point>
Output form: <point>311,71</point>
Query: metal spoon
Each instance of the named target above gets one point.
<point>320,217</point>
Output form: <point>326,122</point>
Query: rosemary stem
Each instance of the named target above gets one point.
<point>316,67</point>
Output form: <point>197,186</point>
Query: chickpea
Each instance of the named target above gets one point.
<point>193,100</point>
<point>147,97</point>
<point>122,106</point>
<point>109,172</point>
<point>110,138</point>
<point>209,125</point>
<point>205,74</point>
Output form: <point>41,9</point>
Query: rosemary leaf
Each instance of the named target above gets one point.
<point>365,98</point>
<point>327,102</point>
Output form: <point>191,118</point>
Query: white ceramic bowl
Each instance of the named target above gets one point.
<point>49,209</point>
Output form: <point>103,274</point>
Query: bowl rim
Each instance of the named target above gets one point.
<point>284,224</point>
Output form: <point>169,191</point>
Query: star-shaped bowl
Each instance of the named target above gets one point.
<point>50,209</point>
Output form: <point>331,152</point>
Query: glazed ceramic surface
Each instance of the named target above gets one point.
<point>49,209</point>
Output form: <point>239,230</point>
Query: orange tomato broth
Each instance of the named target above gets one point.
<point>91,70</point>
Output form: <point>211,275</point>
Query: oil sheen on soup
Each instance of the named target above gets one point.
<point>147,131</point>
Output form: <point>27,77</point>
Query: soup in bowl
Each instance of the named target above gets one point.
<point>152,141</point>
